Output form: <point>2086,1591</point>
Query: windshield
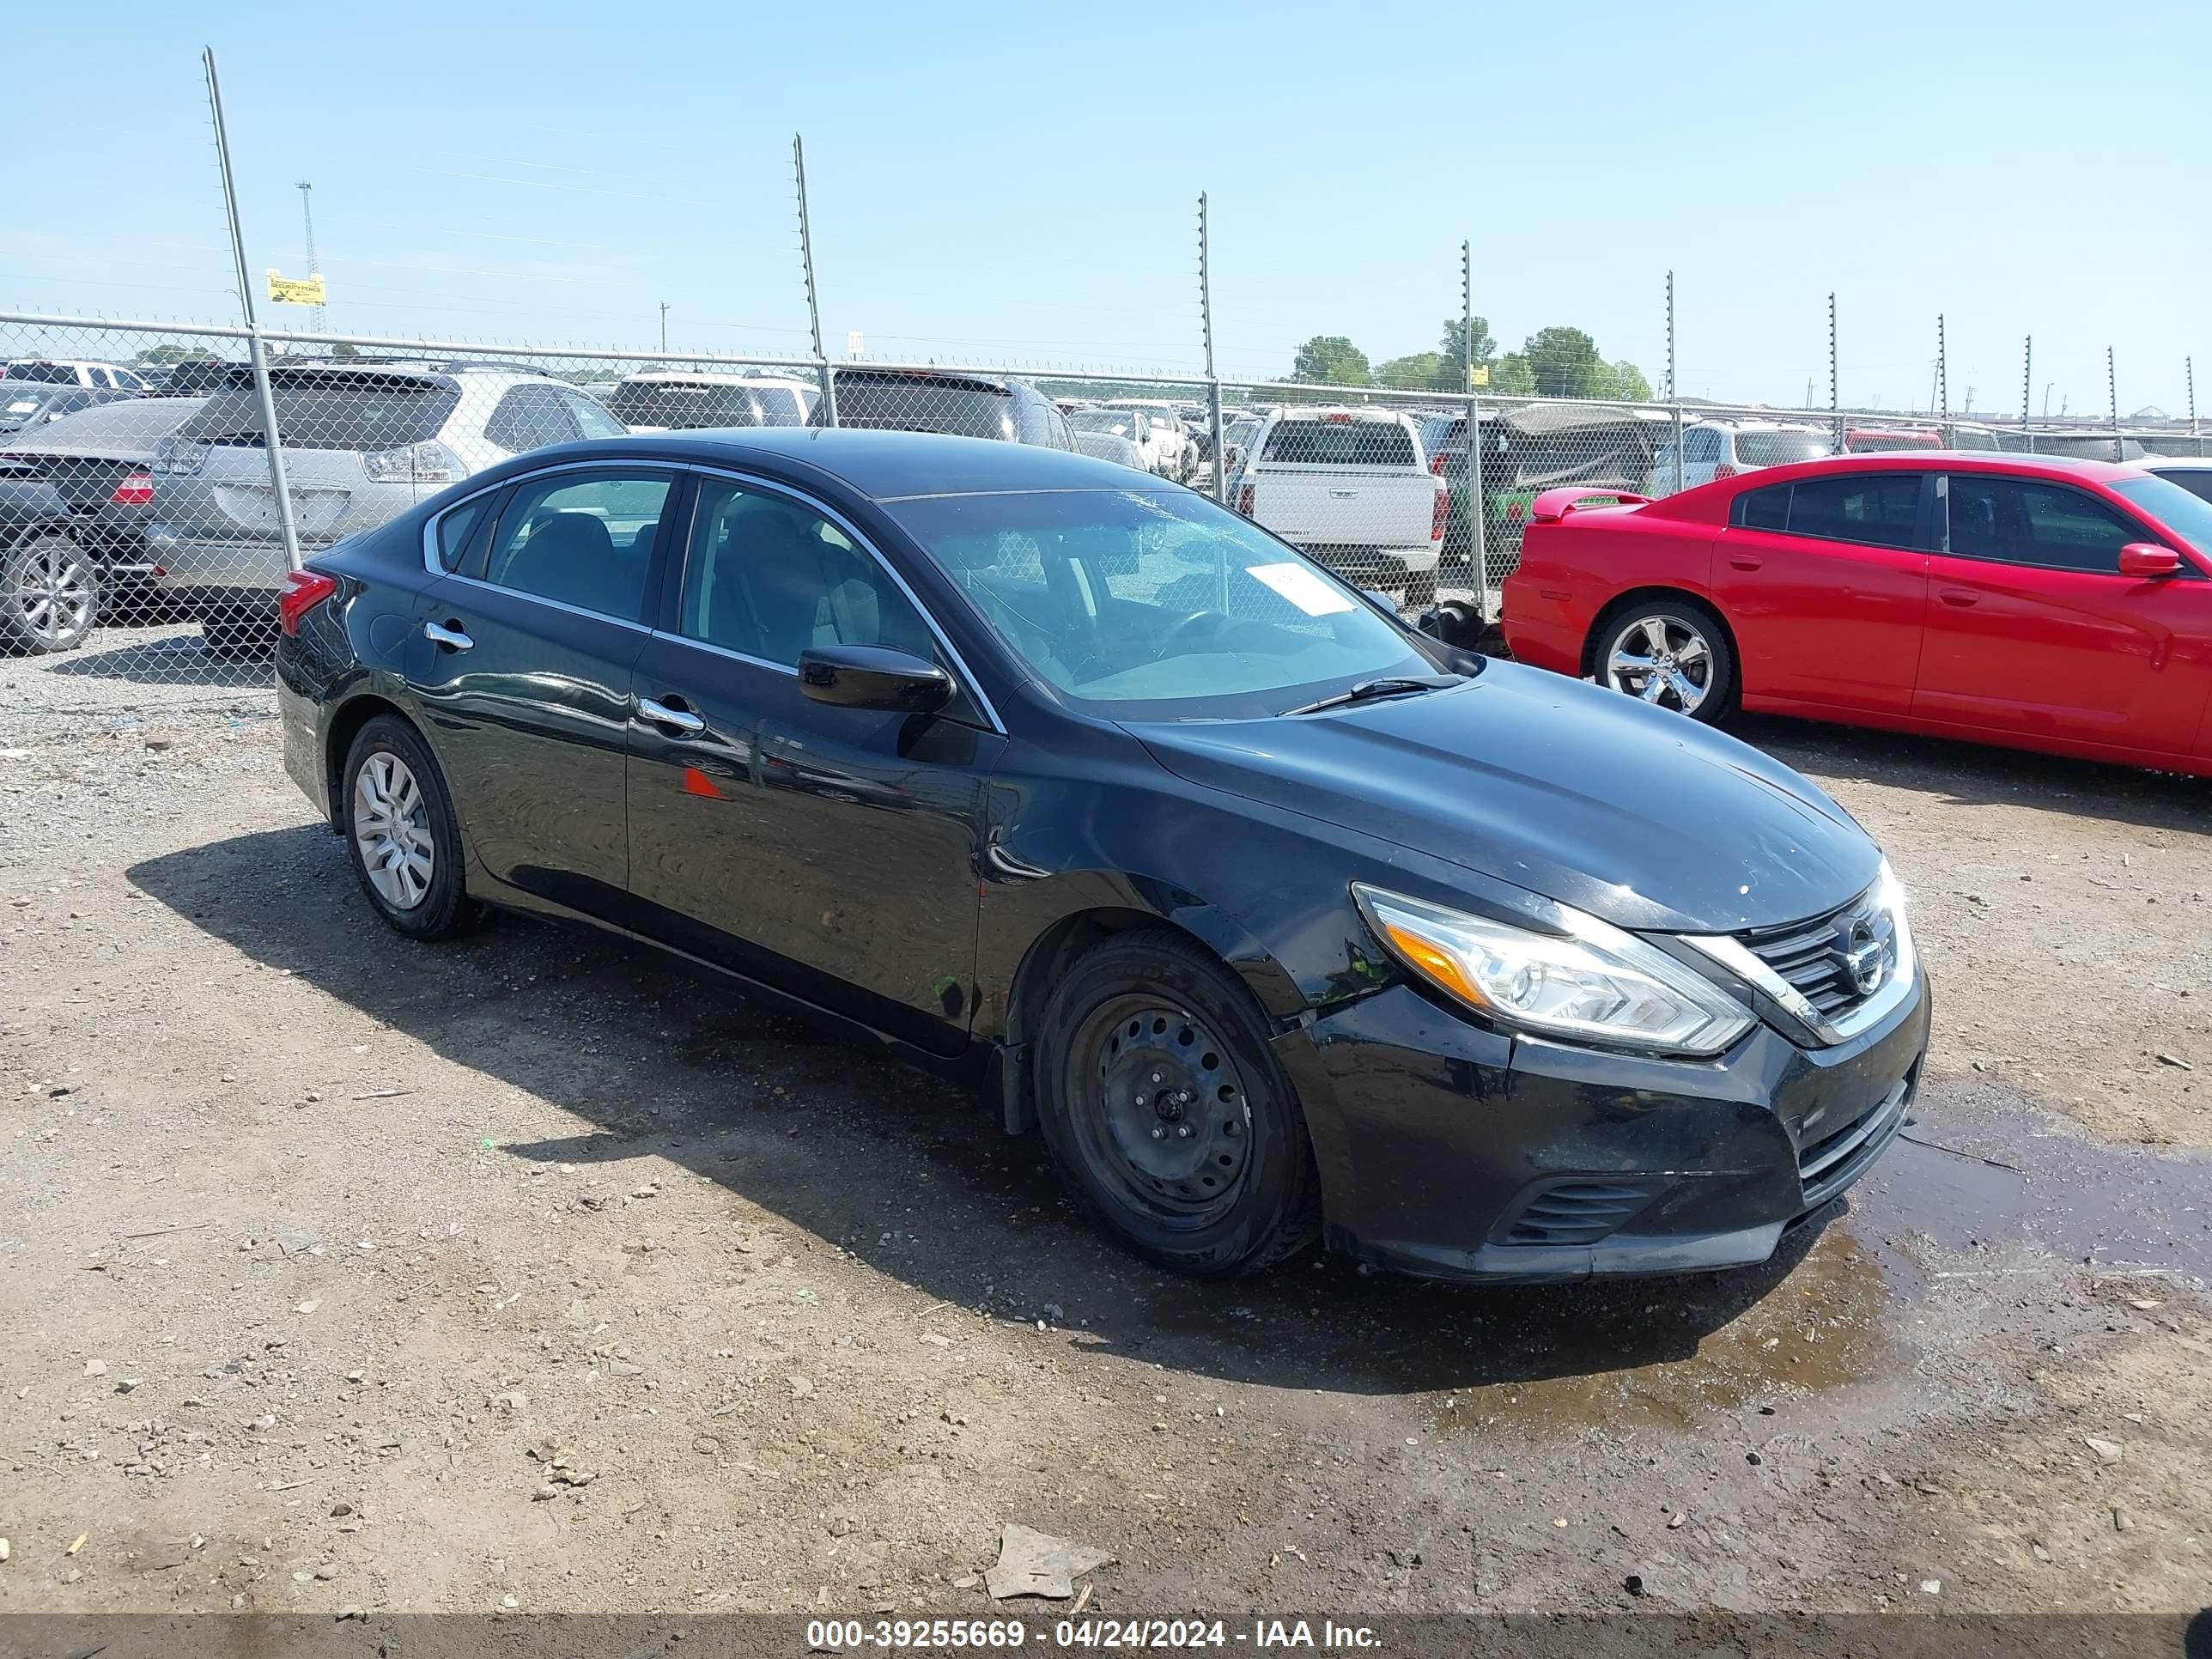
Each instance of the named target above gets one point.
<point>1158,603</point>
<point>1119,422</point>
<point>684,405</point>
<point>2180,510</point>
<point>1340,442</point>
<point>1779,448</point>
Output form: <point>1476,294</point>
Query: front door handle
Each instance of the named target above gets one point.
<point>449,635</point>
<point>672,713</point>
<point>1745,561</point>
<point>1953,596</point>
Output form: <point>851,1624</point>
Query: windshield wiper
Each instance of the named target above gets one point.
<point>1372,691</point>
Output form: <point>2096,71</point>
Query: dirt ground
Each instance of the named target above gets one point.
<point>531,1273</point>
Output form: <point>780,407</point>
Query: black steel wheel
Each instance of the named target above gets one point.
<point>1162,1102</point>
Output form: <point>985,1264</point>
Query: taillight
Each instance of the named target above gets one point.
<point>303,591</point>
<point>1440,514</point>
<point>136,489</point>
<point>1244,500</point>
<point>1725,470</point>
<point>1437,464</point>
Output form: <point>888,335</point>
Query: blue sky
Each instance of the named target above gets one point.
<point>1018,183</point>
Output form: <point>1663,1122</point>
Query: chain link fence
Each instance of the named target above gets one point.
<point>154,488</point>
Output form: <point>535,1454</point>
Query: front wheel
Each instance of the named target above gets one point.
<point>48,595</point>
<point>401,833</point>
<point>1162,1102</point>
<point>1671,654</point>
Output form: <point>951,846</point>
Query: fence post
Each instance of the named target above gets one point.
<point>1674,396</point>
<point>2112,391</point>
<point>1477,512</point>
<point>813,302</point>
<point>1835,394</point>
<point>2189,369</point>
<point>1679,435</point>
<point>1205,325</point>
<point>255,350</point>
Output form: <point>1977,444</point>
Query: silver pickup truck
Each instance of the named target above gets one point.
<point>1352,487</point>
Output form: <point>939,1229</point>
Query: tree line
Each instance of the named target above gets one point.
<point>1553,362</point>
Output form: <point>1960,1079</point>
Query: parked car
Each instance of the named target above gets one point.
<point>1720,449</point>
<point>951,402</point>
<point>1351,487</point>
<point>2027,600</point>
<point>1172,441</point>
<point>2193,472</point>
<point>31,404</point>
<point>73,371</point>
<point>362,442</point>
<point>1278,919</point>
<point>1151,436</point>
<point>1872,439</point>
<point>1108,446</point>
<point>670,400</point>
<point>74,498</point>
<point>192,378</point>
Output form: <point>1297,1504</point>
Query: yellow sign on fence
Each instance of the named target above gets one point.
<point>296,290</point>
<point>1479,375</point>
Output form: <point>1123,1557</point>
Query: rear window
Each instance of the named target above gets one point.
<point>361,412</point>
<point>1779,448</point>
<point>1340,443</point>
<point>684,405</point>
<point>45,373</point>
<point>960,409</point>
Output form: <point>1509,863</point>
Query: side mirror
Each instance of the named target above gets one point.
<point>2149,559</point>
<point>873,676</point>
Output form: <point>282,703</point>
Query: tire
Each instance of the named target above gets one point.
<point>1163,1104</point>
<point>48,595</point>
<point>397,816</point>
<point>1679,638</point>
<point>1421,589</point>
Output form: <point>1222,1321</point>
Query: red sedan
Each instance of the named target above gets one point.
<point>2044,603</point>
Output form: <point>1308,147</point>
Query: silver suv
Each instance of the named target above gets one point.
<point>363,442</point>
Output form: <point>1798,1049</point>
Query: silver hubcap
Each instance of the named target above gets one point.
<point>1662,660</point>
<point>391,828</point>
<point>53,591</point>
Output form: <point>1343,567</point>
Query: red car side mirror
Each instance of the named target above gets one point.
<point>2149,559</point>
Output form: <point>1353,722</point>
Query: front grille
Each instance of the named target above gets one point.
<point>1839,1156</point>
<point>1579,1211</point>
<point>1813,956</point>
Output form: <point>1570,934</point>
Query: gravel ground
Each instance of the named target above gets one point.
<point>530,1272</point>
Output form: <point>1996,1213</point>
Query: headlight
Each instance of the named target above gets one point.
<point>1889,896</point>
<point>1593,984</point>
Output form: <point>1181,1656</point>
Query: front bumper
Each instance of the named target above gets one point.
<point>1450,1151</point>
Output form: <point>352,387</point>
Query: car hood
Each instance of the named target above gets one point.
<point>1632,813</point>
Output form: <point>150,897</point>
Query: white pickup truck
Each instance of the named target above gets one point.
<point>1351,487</point>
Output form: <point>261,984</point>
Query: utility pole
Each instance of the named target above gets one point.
<point>308,217</point>
<point>663,326</point>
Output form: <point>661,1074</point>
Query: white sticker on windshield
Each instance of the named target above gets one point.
<point>1302,588</point>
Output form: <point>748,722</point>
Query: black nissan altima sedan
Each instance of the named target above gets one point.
<point>1277,917</point>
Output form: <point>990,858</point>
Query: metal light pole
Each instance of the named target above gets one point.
<point>255,350</point>
<point>813,302</point>
<point>1205,327</point>
<point>1477,513</point>
<point>307,220</point>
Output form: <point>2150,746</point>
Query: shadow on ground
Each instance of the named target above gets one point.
<point>167,657</point>
<point>867,1154</point>
<point>1978,775</point>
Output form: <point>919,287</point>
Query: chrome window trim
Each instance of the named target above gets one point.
<point>966,675</point>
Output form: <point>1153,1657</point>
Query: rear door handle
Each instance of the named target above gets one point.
<point>1745,561</point>
<point>672,713</point>
<point>449,635</point>
<point>1953,596</point>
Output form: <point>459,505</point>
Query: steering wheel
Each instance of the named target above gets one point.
<point>1189,628</point>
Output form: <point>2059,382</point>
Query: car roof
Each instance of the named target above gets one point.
<point>885,466</point>
<point>1920,460</point>
<point>1338,412</point>
<point>2171,463</point>
<point>709,377</point>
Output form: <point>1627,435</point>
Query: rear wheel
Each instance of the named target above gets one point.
<point>48,595</point>
<point>1162,1100</point>
<point>1670,652</point>
<point>401,833</point>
